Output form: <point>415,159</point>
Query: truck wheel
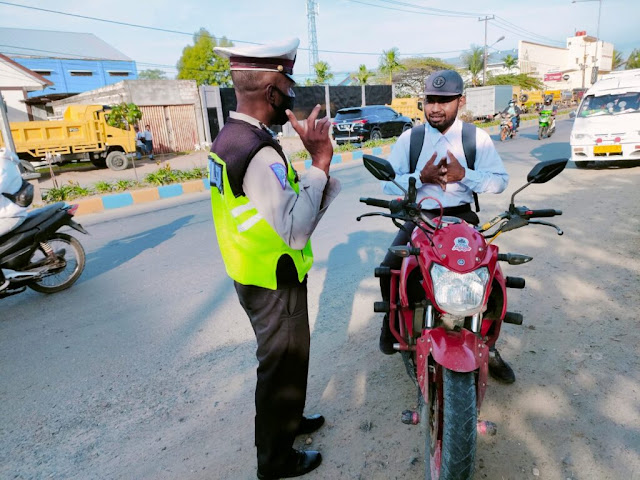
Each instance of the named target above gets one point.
<point>582,164</point>
<point>117,161</point>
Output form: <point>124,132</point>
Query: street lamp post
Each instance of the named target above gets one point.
<point>484,68</point>
<point>596,60</point>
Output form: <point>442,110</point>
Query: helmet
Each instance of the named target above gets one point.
<point>547,99</point>
<point>512,102</point>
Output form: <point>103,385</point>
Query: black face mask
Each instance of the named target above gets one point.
<point>281,110</point>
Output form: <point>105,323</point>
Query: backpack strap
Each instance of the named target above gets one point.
<point>469,148</point>
<point>415,146</point>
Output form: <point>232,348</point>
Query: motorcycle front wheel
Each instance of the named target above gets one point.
<point>65,268</point>
<point>542,132</point>
<point>504,133</point>
<point>451,426</point>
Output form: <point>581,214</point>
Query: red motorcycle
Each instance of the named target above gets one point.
<point>448,302</point>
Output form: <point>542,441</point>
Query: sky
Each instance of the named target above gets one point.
<point>363,28</point>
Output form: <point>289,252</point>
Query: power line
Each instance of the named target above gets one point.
<point>434,14</point>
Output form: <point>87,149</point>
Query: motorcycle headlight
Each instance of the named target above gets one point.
<point>457,293</point>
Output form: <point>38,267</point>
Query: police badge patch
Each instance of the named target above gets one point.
<point>461,244</point>
<point>280,172</point>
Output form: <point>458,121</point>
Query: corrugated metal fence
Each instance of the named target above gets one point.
<point>174,127</point>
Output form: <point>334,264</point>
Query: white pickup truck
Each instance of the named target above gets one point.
<point>607,123</point>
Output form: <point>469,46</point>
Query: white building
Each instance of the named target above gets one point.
<point>16,82</point>
<point>566,68</point>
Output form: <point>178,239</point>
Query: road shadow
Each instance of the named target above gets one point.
<point>118,252</point>
<point>551,151</point>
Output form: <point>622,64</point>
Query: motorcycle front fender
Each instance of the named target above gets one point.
<point>460,351</point>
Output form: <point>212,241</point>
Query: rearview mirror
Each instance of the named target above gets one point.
<point>379,167</point>
<point>545,171</point>
<point>572,114</point>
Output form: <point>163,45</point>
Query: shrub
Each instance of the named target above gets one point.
<point>66,192</point>
<point>103,187</point>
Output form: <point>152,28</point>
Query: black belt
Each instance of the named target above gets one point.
<point>452,211</point>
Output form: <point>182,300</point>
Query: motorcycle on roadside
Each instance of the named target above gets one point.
<point>545,124</point>
<point>507,128</point>
<point>447,306</point>
<point>37,256</point>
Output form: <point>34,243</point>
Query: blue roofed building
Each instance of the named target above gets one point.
<point>73,62</point>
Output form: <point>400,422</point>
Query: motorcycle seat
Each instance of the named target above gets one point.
<point>33,218</point>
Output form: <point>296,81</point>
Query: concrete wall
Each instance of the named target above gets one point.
<point>16,107</point>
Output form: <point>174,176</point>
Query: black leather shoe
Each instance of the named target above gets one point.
<point>386,338</point>
<point>310,424</point>
<point>499,369</point>
<point>301,463</point>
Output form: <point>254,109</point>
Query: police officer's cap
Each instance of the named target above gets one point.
<point>445,83</point>
<point>275,57</point>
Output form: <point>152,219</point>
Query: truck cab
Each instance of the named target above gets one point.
<point>607,122</point>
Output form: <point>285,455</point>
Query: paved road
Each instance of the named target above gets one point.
<point>145,368</point>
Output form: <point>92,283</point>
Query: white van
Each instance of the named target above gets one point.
<point>607,123</point>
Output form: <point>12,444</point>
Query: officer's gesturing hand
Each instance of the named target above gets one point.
<point>435,173</point>
<point>315,138</point>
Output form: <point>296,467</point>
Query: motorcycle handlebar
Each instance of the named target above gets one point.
<point>376,202</point>
<point>545,212</point>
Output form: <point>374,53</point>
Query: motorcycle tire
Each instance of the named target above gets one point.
<point>454,424</point>
<point>61,278</point>
<point>542,131</point>
<point>503,134</point>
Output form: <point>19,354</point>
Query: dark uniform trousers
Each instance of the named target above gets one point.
<point>280,321</point>
<point>404,235</point>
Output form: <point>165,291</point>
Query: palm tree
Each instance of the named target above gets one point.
<point>323,73</point>
<point>474,62</point>
<point>362,76</point>
<point>390,63</point>
<point>634,59</point>
<point>510,61</point>
<point>617,61</point>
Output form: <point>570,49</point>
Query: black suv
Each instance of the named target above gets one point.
<point>373,122</point>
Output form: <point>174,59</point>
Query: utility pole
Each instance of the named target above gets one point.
<point>484,68</point>
<point>312,11</point>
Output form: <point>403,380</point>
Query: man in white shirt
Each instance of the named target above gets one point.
<point>148,141</point>
<point>11,214</point>
<point>442,172</point>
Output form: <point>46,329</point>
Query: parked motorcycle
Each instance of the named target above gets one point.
<point>447,306</point>
<point>507,129</point>
<point>545,130</point>
<point>37,256</point>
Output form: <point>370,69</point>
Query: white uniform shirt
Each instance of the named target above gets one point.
<point>148,136</point>
<point>489,175</point>
<point>293,216</point>
<point>10,182</point>
<point>140,139</point>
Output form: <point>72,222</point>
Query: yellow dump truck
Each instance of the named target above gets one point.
<point>409,107</point>
<point>82,135</point>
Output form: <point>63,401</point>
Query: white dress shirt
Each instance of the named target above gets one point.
<point>294,216</point>
<point>489,175</point>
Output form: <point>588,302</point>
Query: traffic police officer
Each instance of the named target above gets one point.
<point>264,216</point>
<point>442,172</point>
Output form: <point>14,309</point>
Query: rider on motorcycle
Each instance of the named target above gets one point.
<point>11,214</point>
<point>442,172</point>
<point>550,107</point>
<point>514,112</point>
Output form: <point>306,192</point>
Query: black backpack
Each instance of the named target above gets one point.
<point>468,146</point>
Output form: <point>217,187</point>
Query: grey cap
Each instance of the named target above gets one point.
<point>446,83</point>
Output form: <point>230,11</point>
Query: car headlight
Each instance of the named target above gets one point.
<point>459,293</point>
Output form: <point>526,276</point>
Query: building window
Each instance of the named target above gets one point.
<point>118,74</point>
<point>44,73</point>
<point>81,73</point>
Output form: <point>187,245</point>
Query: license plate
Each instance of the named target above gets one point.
<point>607,149</point>
<point>344,127</point>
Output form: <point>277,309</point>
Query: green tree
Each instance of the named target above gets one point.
<point>510,62</point>
<point>123,115</point>
<point>323,73</point>
<point>363,75</point>
<point>152,74</point>
<point>390,63</point>
<point>473,61</point>
<point>199,63</point>
<point>634,59</point>
<point>410,82</point>
<point>617,60</point>
<point>527,82</point>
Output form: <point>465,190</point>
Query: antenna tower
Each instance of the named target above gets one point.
<point>312,11</point>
